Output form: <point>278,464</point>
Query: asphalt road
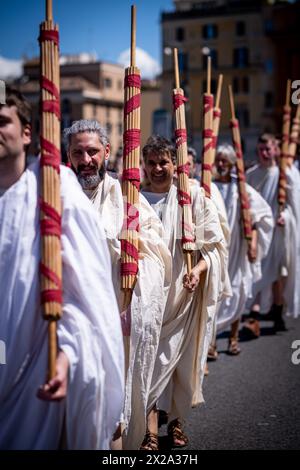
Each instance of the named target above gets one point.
<point>252,400</point>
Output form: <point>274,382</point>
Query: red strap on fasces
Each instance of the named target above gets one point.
<point>187,228</point>
<point>208,103</point>
<point>208,134</point>
<point>50,275</point>
<point>50,154</point>
<point>180,136</point>
<point>50,211</point>
<point>214,141</point>
<point>206,188</point>
<point>206,166</point>
<point>129,269</point>
<point>133,103</point>
<point>131,222</point>
<point>51,295</point>
<point>238,150</point>
<point>245,202</point>
<point>129,249</point>
<point>131,140</point>
<point>178,100</point>
<point>217,113</point>
<point>242,176</point>
<point>132,175</point>
<point>47,85</point>
<point>234,123</point>
<point>51,106</point>
<point>183,198</point>
<point>50,227</point>
<point>132,80</point>
<point>187,240</point>
<point>49,35</point>
<point>183,169</point>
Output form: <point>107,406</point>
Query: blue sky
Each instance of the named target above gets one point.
<point>101,26</point>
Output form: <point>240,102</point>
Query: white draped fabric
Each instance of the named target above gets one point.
<point>89,331</point>
<point>242,273</point>
<point>280,259</point>
<point>218,201</point>
<point>188,318</point>
<point>148,300</point>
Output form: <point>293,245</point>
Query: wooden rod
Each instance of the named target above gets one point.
<point>189,261</point>
<point>49,10</point>
<point>219,89</point>
<point>52,349</point>
<point>133,36</point>
<point>176,69</point>
<point>208,85</point>
<point>231,101</point>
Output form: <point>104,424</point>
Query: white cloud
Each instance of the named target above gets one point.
<point>148,66</point>
<point>10,68</point>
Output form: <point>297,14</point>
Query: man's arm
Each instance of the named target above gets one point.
<point>191,281</point>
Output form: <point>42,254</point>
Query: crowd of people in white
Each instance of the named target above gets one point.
<point>117,369</point>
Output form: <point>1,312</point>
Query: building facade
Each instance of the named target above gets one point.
<point>89,90</point>
<point>237,36</point>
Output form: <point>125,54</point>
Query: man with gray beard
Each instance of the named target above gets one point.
<point>88,151</point>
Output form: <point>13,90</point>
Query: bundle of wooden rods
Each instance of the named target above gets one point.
<point>50,202</point>
<point>284,155</point>
<point>217,117</point>
<point>131,172</point>
<point>294,136</point>
<point>184,194</point>
<point>208,134</point>
<point>244,199</point>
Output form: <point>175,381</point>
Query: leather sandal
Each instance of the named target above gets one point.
<point>150,441</point>
<point>176,434</point>
<point>233,347</point>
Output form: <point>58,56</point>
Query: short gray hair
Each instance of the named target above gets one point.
<point>85,125</point>
<point>228,152</point>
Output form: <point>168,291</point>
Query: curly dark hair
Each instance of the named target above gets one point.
<point>158,145</point>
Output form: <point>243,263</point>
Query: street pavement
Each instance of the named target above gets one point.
<point>252,401</point>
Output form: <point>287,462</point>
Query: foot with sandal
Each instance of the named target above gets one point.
<point>233,344</point>
<point>176,434</point>
<point>150,441</point>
